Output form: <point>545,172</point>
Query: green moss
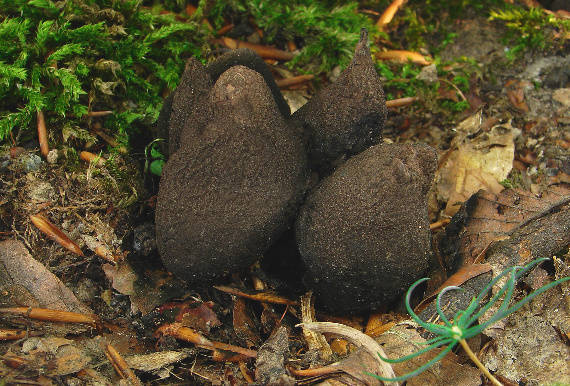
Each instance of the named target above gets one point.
<point>64,57</point>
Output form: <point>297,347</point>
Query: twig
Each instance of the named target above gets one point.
<point>11,334</point>
<point>439,224</point>
<point>455,87</point>
<point>389,13</point>
<point>265,52</point>
<point>120,365</point>
<point>90,157</point>
<point>358,339</point>
<point>42,134</point>
<point>315,340</point>
<point>55,234</point>
<point>401,102</point>
<point>293,81</point>
<point>265,297</point>
<point>99,113</point>
<point>403,56</point>
<point>49,315</point>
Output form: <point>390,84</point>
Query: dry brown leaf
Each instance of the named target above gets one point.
<point>403,340</point>
<point>463,274</point>
<point>487,218</point>
<point>515,92</point>
<point>55,234</point>
<point>244,325</point>
<point>198,315</point>
<point>404,56</point>
<point>29,283</point>
<point>62,355</point>
<point>477,160</point>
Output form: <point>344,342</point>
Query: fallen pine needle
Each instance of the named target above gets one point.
<point>49,315</point>
<point>265,52</point>
<point>120,365</point>
<point>439,224</point>
<point>244,372</point>
<point>293,81</point>
<point>90,157</point>
<point>401,102</point>
<point>225,29</point>
<point>99,113</point>
<point>389,13</point>
<point>403,56</point>
<point>10,334</point>
<point>55,234</point>
<point>187,334</point>
<point>266,297</point>
<point>42,134</point>
<point>314,372</point>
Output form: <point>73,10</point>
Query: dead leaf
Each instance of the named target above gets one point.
<point>64,357</point>
<point>463,274</point>
<point>21,273</point>
<point>122,277</point>
<point>154,361</point>
<point>198,315</point>
<point>244,325</point>
<point>477,160</point>
<point>487,218</point>
<point>515,92</point>
<point>270,363</point>
<point>404,339</point>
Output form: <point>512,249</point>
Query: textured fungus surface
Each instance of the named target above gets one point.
<point>348,116</point>
<point>364,231</point>
<point>233,186</point>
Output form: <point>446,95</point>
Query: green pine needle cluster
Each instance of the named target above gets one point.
<point>66,58</point>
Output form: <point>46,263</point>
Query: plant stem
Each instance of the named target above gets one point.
<point>478,363</point>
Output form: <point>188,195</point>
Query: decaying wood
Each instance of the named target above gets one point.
<point>358,339</point>
<point>315,340</point>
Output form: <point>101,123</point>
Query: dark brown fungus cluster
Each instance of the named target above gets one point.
<point>238,178</point>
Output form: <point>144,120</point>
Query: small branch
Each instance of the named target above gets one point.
<point>401,102</point>
<point>455,87</point>
<point>55,234</point>
<point>265,297</point>
<point>120,365</point>
<point>478,363</point>
<point>265,52</point>
<point>92,158</point>
<point>49,315</point>
<point>293,81</point>
<point>389,13</point>
<point>42,134</point>
<point>99,113</point>
<point>403,56</point>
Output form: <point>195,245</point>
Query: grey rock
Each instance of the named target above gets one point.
<point>348,116</point>
<point>364,231</point>
<point>233,186</point>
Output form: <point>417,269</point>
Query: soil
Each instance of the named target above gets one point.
<point>108,212</point>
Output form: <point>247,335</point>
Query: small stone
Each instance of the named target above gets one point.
<point>364,231</point>
<point>52,156</point>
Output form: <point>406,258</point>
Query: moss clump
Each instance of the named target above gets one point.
<point>70,57</point>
